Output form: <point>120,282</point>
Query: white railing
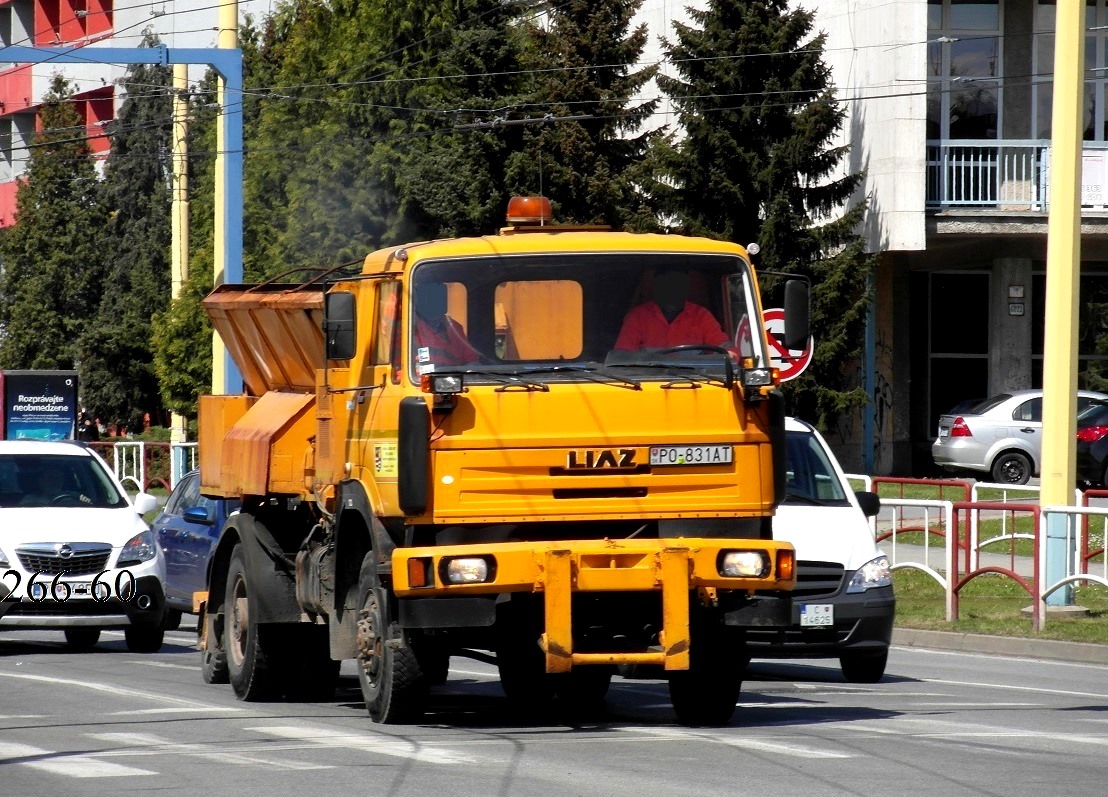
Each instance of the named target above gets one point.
<point>1008,174</point>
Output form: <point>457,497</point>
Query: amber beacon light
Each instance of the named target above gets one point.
<point>529,210</point>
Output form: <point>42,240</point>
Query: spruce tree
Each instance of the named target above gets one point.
<point>758,162</point>
<point>588,166</point>
<point>52,260</point>
<point>120,384</point>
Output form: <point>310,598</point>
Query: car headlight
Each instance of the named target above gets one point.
<point>874,573</point>
<point>140,548</point>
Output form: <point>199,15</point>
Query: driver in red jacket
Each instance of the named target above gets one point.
<point>669,319</point>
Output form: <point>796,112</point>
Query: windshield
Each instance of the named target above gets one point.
<point>38,480</point>
<point>810,476</point>
<point>615,317</point>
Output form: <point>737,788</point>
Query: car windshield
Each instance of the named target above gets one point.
<point>525,321</point>
<point>38,480</point>
<point>810,477</point>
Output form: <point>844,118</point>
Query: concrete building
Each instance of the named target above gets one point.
<point>949,114</point>
<point>97,25</point>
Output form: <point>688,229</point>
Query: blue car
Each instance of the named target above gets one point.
<point>187,531</point>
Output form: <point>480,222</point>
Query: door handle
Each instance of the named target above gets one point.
<point>1027,429</point>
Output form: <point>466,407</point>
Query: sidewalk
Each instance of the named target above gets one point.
<point>1077,652</point>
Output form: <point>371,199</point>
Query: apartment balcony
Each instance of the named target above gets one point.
<point>1007,176</point>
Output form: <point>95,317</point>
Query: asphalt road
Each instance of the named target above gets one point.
<point>941,722</point>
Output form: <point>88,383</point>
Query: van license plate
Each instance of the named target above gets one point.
<point>817,614</point>
<point>690,455</point>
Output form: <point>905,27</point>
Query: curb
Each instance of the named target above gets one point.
<point>1081,652</point>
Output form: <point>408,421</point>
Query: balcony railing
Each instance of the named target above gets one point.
<point>1007,174</point>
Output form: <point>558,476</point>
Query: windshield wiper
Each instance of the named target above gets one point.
<point>803,498</point>
<point>699,375</point>
<point>605,376</point>
<point>508,378</point>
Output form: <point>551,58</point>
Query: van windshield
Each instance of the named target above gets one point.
<point>810,477</point>
<point>617,317</point>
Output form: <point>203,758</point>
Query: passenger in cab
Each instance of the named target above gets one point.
<point>669,319</point>
<point>439,339</point>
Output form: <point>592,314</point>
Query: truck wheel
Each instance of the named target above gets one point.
<point>312,676</point>
<point>522,666</point>
<point>864,668</point>
<point>584,688</point>
<point>144,638</point>
<point>82,638</point>
<point>213,660</point>
<point>245,641</point>
<point>392,683</point>
<point>434,660</point>
<point>706,693</point>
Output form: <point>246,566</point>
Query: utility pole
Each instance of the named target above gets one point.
<point>1063,272</point>
<point>225,375</point>
<point>179,246</point>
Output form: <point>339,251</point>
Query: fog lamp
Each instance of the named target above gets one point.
<point>467,570</point>
<point>744,564</point>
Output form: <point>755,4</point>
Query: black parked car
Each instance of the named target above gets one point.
<point>1092,444</point>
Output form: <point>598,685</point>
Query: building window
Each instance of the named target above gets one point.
<point>1092,328</point>
<point>963,69</point>
<point>1096,16</point>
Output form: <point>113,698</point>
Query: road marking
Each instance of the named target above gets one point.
<point>759,745</point>
<point>368,742</point>
<point>1065,692</point>
<point>165,664</point>
<point>115,690</point>
<point>176,710</point>
<point>72,766</point>
<point>151,744</point>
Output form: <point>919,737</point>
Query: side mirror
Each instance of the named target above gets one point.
<point>339,325</point>
<point>869,502</point>
<point>144,502</point>
<point>199,515</point>
<point>797,308</point>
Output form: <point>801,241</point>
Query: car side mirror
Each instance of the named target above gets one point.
<point>144,502</point>
<point>869,502</point>
<point>198,514</point>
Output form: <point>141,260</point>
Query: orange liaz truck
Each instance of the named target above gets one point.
<point>447,453</point>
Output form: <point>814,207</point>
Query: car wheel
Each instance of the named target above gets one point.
<point>82,638</point>
<point>864,668</point>
<point>1011,467</point>
<point>144,638</point>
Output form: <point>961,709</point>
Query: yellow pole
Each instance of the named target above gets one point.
<point>229,39</point>
<point>1063,269</point>
<point>180,214</point>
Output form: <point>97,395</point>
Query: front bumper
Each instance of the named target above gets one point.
<point>863,622</point>
<point>145,607</point>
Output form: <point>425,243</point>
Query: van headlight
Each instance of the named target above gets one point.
<point>874,573</point>
<point>140,548</point>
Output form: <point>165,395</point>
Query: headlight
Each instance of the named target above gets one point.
<point>744,564</point>
<point>467,570</point>
<point>874,573</point>
<point>140,548</point>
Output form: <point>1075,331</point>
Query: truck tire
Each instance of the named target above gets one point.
<point>706,693</point>
<point>519,659</point>
<point>249,669</point>
<point>144,638</point>
<point>393,685</point>
<point>213,660</point>
<point>82,638</point>
<point>864,668</point>
<point>584,688</point>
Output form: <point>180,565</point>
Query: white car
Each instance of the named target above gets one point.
<point>843,603</point>
<point>75,552</point>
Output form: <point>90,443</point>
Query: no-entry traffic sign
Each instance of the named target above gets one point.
<point>790,362</point>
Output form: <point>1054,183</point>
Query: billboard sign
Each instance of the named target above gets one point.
<point>40,405</point>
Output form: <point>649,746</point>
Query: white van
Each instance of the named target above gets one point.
<point>843,604</point>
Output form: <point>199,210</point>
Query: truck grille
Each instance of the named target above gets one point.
<point>75,559</point>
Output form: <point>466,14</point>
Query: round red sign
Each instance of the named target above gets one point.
<point>790,362</point>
